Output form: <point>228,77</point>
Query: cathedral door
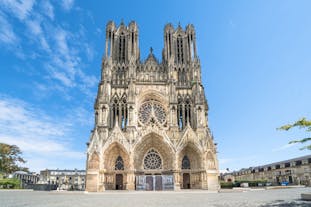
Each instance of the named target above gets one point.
<point>186,181</point>
<point>119,182</point>
<point>158,182</point>
<point>149,182</point>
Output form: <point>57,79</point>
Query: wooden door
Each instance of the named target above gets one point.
<point>186,181</point>
<point>158,182</point>
<point>119,182</point>
<point>149,182</point>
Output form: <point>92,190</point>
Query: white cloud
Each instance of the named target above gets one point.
<point>21,9</point>
<point>59,49</point>
<point>48,9</point>
<point>284,147</point>
<point>34,27</point>
<point>7,34</point>
<point>36,133</point>
<point>67,4</point>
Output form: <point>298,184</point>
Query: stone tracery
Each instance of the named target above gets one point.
<point>152,160</point>
<point>150,112</point>
<point>151,116</point>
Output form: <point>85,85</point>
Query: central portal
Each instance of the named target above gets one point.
<point>154,182</point>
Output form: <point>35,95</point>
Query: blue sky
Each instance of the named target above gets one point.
<point>255,58</point>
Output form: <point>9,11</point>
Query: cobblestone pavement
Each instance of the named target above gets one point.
<point>196,198</point>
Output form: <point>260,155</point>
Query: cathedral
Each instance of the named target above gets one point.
<point>151,117</point>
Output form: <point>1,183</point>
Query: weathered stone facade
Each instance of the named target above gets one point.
<point>63,179</point>
<point>151,128</point>
<point>295,171</point>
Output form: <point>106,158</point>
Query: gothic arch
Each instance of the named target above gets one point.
<point>185,163</point>
<point>112,153</point>
<point>152,94</point>
<point>194,155</point>
<point>158,143</point>
<point>119,111</point>
<point>119,163</point>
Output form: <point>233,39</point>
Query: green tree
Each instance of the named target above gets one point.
<point>10,158</point>
<point>302,124</point>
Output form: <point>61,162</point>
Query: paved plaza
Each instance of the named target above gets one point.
<point>196,198</point>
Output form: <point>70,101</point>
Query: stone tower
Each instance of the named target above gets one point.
<point>151,127</point>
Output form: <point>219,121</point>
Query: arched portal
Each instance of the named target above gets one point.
<point>154,163</point>
<point>190,163</point>
<point>116,165</point>
<point>162,149</point>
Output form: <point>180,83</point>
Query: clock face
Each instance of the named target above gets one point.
<point>150,111</point>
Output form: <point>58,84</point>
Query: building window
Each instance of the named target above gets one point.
<point>298,162</point>
<point>184,112</point>
<point>152,160</point>
<point>119,165</point>
<point>151,112</point>
<point>287,164</point>
<point>119,113</point>
<point>185,163</point>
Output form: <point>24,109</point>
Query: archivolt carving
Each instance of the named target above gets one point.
<point>160,145</point>
<point>189,137</point>
<point>193,154</point>
<point>117,136</point>
<point>114,155</point>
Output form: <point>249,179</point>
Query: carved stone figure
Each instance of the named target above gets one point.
<point>151,130</point>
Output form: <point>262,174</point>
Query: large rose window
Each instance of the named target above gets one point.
<point>152,160</point>
<point>151,111</point>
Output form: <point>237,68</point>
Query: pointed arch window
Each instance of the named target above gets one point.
<point>188,111</point>
<point>180,55</point>
<point>119,112</point>
<point>180,114</point>
<point>185,163</point>
<point>184,112</point>
<point>119,164</point>
<point>122,47</point>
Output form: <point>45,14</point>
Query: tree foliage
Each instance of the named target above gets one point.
<point>10,158</point>
<point>303,123</point>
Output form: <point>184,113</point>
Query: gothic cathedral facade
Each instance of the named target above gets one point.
<point>151,127</point>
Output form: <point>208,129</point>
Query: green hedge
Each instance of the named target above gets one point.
<point>237,183</point>
<point>251,183</point>
<point>10,183</point>
<point>227,184</point>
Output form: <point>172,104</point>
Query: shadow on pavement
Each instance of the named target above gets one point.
<point>281,203</point>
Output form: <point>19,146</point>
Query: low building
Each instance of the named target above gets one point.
<point>64,179</point>
<point>25,177</point>
<point>295,171</point>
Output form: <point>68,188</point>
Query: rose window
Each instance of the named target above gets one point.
<point>152,160</point>
<point>152,111</point>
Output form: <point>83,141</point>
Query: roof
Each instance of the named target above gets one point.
<point>275,163</point>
